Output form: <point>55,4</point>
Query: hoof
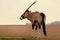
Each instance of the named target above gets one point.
<point>44,38</point>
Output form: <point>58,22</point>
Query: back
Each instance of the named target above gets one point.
<point>36,16</point>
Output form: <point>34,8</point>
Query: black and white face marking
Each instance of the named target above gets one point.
<point>23,16</point>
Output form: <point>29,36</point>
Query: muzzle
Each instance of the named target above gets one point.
<point>21,18</point>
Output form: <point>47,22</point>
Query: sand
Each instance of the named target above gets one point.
<point>25,30</point>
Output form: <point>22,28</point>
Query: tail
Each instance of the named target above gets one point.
<point>43,23</point>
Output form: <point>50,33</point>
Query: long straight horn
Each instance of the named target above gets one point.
<point>31,4</point>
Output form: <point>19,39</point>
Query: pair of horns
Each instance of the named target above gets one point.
<point>31,5</point>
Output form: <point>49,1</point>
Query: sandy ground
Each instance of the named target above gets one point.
<point>25,30</point>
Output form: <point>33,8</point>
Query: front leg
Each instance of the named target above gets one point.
<point>33,30</point>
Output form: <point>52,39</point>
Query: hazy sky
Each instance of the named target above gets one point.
<point>11,10</point>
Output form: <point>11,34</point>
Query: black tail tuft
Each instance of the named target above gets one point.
<point>44,28</point>
<point>43,23</point>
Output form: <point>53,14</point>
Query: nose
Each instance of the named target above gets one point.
<point>21,18</point>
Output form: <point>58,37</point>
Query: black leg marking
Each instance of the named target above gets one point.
<point>36,24</point>
<point>33,26</point>
<point>39,25</point>
<point>36,27</point>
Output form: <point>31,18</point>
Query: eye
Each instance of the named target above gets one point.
<point>22,16</point>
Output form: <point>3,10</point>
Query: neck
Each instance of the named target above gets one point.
<point>29,16</point>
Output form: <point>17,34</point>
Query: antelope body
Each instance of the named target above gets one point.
<point>37,19</point>
<point>33,16</point>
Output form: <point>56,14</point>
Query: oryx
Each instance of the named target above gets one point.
<point>37,19</point>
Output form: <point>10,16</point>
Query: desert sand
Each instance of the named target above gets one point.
<point>25,30</point>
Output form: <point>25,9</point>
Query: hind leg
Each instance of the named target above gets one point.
<point>39,30</point>
<point>39,25</point>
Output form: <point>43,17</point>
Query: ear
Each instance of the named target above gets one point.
<point>30,10</point>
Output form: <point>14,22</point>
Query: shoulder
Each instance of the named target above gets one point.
<point>36,12</point>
